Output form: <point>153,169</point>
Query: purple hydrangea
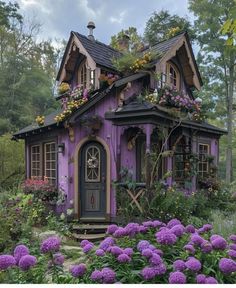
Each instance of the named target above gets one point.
<point>227,266</point>
<point>96,275</point>
<point>128,251</point>
<point>142,229</point>
<point>196,239</point>
<point>157,223</point>
<point>51,244</point>
<point>58,259</point>
<point>148,224</point>
<point>148,273</point>
<point>189,248</point>
<point>193,264</point>
<point>7,261</point>
<point>232,246</point>
<point>120,232</point>
<point>123,258</point>
<point>147,253</point>
<point>88,247</point>
<point>100,252</point>
<point>108,276</point>
<point>207,227</point>
<point>158,251</point>
<point>78,270</point>
<point>177,278</point>
<point>200,279</point>
<point>206,247</point>
<point>115,250</point>
<point>232,238</point>
<point>179,265</point>
<point>232,253</point>
<point>26,262</point>
<point>201,230</point>
<point>106,243</point>
<point>172,223</point>
<point>112,228</point>
<point>166,238</point>
<point>190,229</point>
<point>84,243</point>
<point>219,243</point>
<point>132,229</point>
<point>178,230</point>
<point>214,236</point>
<point>143,244</point>
<point>20,251</point>
<point>155,260</point>
<point>160,269</point>
<point>211,280</point>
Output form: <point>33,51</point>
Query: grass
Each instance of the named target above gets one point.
<point>224,225</point>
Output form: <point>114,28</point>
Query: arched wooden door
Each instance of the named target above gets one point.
<point>92,180</point>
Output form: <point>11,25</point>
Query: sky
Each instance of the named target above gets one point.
<point>59,17</point>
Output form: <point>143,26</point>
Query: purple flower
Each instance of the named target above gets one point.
<point>214,236</point>
<point>100,252</point>
<point>20,251</point>
<point>123,258</point>
<point>84,243</point>
<point>88,247</point>
<point>128,251</point>
<point>96,275</point>
<point>178,230</point>
<point>51,244</point>
<point>157,223</point>
<point>58,259</point>
<point>132,229</point>
<point>148,224</point>
<point>148,273</point>
<point>78,270</point>
<point>143,229</point>
<point>147,253</point>
<point>196,239</point>
<point>166,238</point>
<point>6,261</point>
<point>112,228</point>
<point>115,250</point>
<point>173,223</point>
<point>232,246</point>
<point>160,269</point>
<point>190,229</point>
<point>120,232</point>
<point>232,238</point>
<point>207,227</point>
<point>211,280</point>
<point>227,266</point>
<point>206,247</point>
<point>189,248</point>
<point>155,260</point>
<point>201,230</point>
<point>200,279</point>
<point>158,252</point>
<point>232,253</point>
<point>193,264</point>
<point>26,262</point>
<point>108,276</point>
<point>177,278</point>
<point>179,265</point>
<point>219,243</point>
<point>106,243</point>
<point>143,244</point>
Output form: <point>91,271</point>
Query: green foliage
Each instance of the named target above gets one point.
<point>162,26</point>
<point>12,162</point>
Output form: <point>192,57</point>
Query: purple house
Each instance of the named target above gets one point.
<point>110,125</point>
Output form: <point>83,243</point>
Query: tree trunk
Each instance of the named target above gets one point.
<point>229,166</point>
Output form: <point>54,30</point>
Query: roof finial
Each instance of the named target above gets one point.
<point>91,26</point>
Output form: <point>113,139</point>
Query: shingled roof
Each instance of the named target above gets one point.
<point>101,53</point>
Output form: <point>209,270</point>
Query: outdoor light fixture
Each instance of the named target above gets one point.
<point>61,148</point>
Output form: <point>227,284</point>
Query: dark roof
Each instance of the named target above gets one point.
<point>144,111</point>
<point>130,78</point>
<point>101,53</point>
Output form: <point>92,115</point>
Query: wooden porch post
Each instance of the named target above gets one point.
<point>148,129</point>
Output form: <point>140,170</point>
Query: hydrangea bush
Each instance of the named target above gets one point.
<point>150,252</point>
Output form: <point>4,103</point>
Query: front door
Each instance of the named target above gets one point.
<point>92,173</point>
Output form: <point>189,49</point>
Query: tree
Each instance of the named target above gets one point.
<point>210,16</point>
<point>161,26</point>
<point>127,40</point>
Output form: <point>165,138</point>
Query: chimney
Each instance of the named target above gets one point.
<point>91,26</point>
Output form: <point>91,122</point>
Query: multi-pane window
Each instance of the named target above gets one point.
<point>92,77</point>
<point>172,75</point>
<point>35,162</point>
<point>50,162</point>
<point>203,165</point>
<point>83,75</point>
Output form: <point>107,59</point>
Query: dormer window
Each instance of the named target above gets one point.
<point>173,76</point>
<point>83,75</point>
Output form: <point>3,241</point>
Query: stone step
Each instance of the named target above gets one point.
<point>91,237</point>
<point>90,227</point>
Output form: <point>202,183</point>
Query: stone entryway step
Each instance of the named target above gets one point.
<point>90,227</point>
<point>90,237</point>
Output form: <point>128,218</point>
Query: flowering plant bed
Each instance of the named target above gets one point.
<point>151,252</point>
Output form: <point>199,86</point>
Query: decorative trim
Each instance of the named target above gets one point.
<point>77,174</point>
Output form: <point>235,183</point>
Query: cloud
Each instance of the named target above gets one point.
<point>119,19</point>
